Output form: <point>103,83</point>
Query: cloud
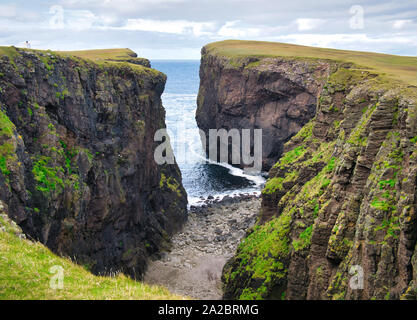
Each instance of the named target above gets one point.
<point>181,27</point>
<point>120,6</point>
<point>304,24</point>
<point>170,26</point>
<point>7,11</point>
<point>399,24</point>
<point>81,20</point>
<point>230,30</point>
<point>388,43</point>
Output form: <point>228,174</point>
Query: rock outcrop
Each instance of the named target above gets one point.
<point>77,158</point>
<point>338,217</point>
<point>276,94</point>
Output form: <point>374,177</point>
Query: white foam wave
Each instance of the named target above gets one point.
<point>182,108</point>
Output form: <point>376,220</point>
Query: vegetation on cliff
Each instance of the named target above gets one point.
<point>275,94</point>
<point>397,67</point>
<point>77,170</point>
<point>25,273</point>
<point>342,195</point>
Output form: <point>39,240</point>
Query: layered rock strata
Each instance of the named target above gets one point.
<point>77,158</point>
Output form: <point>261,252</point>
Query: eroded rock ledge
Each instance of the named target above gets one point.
<point>76,158</point>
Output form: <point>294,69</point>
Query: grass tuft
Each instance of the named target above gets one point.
<point>25,273</point>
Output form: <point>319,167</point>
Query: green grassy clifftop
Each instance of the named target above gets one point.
<point>397,67</point>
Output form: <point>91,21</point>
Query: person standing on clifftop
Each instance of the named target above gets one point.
<point>27,45</point>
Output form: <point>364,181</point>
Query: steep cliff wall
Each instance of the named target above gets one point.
<point>275,94</point>
<point>343,195</point>
<point>76,156</point>
<point>341,201</point>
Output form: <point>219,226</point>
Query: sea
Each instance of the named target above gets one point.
<point>201,177</point>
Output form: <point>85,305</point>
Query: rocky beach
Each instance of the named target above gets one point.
<point>193,266</point>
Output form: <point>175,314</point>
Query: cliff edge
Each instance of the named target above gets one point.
<point>275,86</point>
<point>338,217</point>
<point>77,156</point>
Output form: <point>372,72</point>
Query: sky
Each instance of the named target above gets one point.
<point>178,29</point>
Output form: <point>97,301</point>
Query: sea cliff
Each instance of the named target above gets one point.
<point>340,201</point>
<point>77,156</point>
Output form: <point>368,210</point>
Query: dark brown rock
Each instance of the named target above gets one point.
<point>276,95</point>
<point>82,177</point>
<point>342,196</point>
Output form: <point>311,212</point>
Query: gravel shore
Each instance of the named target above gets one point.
<point>194,265</point>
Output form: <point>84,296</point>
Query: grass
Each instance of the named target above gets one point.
<point>262,252</point>
<point>7,148</point>
<point>119,57</point>
<point>304,239</point>
<point>47,176</point>
<point>402,68</point>
<point>25,274</point>
<point>291,156</point>
<point>171,183</point>
<point>10,52</point>
<point>114,57</point>
<point>101,55</point>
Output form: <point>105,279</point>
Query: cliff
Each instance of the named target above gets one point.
<point>76,156</point>
<point>20,280</point>
<point>341,201</point>
<point>274,87</point>
<point>277,95</point>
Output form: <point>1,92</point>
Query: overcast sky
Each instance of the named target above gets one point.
<point>177,29</point>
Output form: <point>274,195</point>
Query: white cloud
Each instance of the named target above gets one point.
<point>173,52</point>
<point>7,11</point>
<point>114,3</point>
<point>230,30</point>
<point>119,6</point>
<point>304,24</point>
<point>170,26</point>
<point>358,41</point>
<point>80,19</point>
<point>163,25</point>
<point>399,24</point>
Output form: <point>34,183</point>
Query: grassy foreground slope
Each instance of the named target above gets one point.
<point>25,274</point>
<point>398,67</point>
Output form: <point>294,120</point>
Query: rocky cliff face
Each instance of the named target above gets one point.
<point>76,158</point>
<point>341,201</point>
<point>277,95</point>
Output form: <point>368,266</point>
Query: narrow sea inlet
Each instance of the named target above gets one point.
<point>201,177</point>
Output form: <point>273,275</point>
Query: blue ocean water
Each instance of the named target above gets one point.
<point>201,177</point>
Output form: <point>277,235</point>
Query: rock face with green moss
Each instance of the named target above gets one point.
<point>275,94</point>
<point>342,197</point>
<point>77,158</point>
